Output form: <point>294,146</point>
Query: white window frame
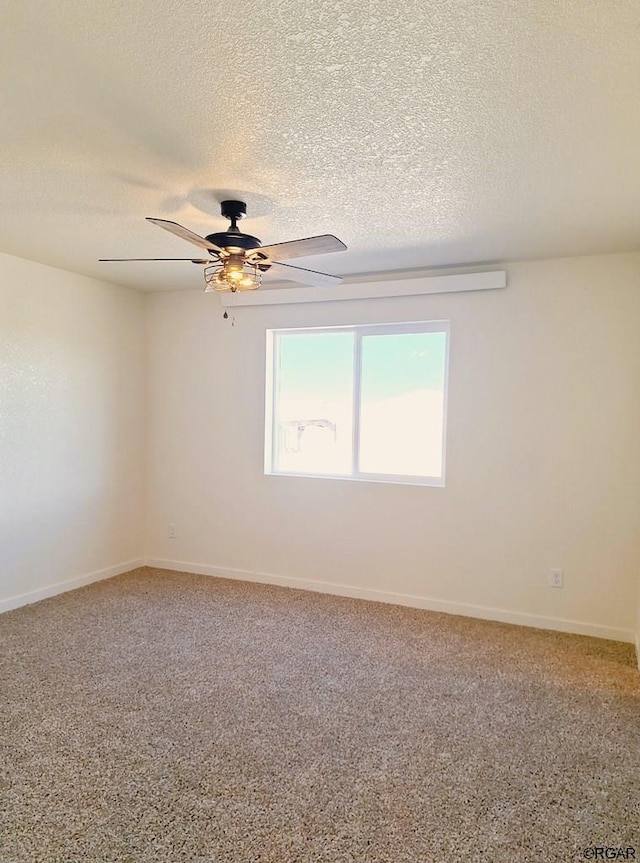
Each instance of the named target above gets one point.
<point>272,344</point>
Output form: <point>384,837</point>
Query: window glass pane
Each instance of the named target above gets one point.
<point>313,424</point>
<point>402,404</point>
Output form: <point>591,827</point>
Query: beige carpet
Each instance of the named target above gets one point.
<point>168,717</point>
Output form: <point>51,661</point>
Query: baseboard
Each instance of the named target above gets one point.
<point>577,627</point>
<point>501,615</point>
<point>70,584</point>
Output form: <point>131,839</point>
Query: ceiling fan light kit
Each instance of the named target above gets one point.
<point>233,274</point>
<point>238,260</point>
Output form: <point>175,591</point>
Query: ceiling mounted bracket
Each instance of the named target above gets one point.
<point>234,211</point>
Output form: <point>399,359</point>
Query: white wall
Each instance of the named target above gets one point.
<point>543,466</point>
<point>71,429</point>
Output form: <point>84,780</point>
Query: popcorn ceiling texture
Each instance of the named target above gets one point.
<point>421,133</point>
<point>168,717</point>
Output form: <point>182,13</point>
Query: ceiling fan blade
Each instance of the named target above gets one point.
<point>193,260</point>
<point>322,245</point>
<point>307,277</point>
<point>185,233</point>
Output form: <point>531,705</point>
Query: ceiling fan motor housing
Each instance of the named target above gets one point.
<point>228,239</point>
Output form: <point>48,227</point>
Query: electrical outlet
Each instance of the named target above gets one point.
<point>172,531</point>
<point>556,578</point>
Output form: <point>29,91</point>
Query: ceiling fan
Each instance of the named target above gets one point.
<point>238,260</point>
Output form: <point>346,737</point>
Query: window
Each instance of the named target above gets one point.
<point>361,402</point>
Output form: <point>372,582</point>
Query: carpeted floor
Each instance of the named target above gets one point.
<point>168,717</point>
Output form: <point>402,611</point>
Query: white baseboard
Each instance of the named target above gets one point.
<point>577,627</point>
<point>70,584</point>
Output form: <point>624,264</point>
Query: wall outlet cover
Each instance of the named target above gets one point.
<point>556,578</point>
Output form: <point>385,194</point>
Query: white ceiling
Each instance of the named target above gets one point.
<point>421,133</point>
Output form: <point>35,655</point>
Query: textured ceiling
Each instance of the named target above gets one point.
<point>421,133</point>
